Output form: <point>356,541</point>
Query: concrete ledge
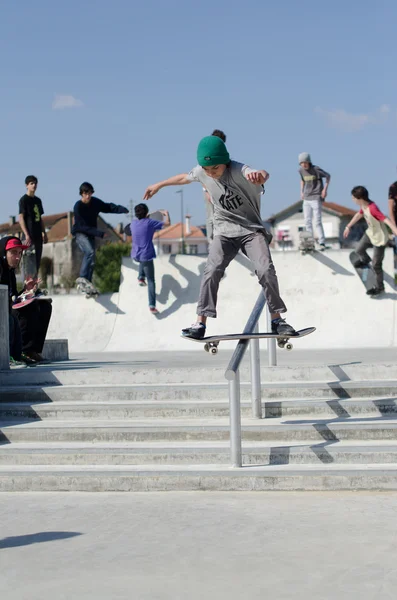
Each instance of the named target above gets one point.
<point>56,350</point>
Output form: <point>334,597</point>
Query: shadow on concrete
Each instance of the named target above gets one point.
<point>36,538</point>
<point>331,264</point>
<point>106,302</point>
<point>183,295</point>
<point>385,296</point>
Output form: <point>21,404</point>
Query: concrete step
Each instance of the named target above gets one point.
<point>130,409</point>
<point>138,478</point>
<point>189,453</point>
<point>74,373</point>
<point>197,391</point>
<point>131,430</point>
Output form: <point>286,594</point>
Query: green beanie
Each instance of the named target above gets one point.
<point>212,151</point>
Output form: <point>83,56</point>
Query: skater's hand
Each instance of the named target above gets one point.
<point>324,194</point>
<point>151,191</point>
<point>28,241</point>
<point>258,177</point>
<point>45,238</point>
<point>346,232</point>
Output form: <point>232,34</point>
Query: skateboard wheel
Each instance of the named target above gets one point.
<point>289,346</point>
<point>206,347</point>
<point>214,350</point>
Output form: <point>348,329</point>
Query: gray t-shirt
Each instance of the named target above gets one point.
<point>237,204</point>
<point>313,182</point>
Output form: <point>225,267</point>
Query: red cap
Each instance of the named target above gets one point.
<point>15,243</point>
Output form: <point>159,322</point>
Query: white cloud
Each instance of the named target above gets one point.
<point>345,121</point>
<point>62,101</point>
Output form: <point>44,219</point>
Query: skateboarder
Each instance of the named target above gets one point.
<point>142,230</point>
<point>30,212</point>
<point>376,235</point>
<point>85,228</point>
<point>313,192</point>
<point>209,207</point>
<point>393,219</point>
<point>393,203</point>
<point>235,190</point>
<point>28,325</point>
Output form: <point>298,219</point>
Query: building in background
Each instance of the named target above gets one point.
<point>287,224</point>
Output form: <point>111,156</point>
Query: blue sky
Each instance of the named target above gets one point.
<point>119,93</point>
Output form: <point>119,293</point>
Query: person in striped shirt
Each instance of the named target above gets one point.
<point>376,235</point>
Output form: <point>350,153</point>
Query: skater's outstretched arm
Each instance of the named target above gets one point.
<point>181,179</point>
<point>353,221</point>
<point>109,207</point>
<point>390,224</point>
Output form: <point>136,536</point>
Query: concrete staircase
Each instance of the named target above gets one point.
<point>108,429</point>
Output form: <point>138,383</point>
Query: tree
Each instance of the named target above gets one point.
<point>108,267</point>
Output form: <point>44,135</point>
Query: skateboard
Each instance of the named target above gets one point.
<point>306,243</point>
<point>395,260</point>
<point>27,298</point>
<point>366,274</point>
<point>31,293</point>
<point>211,342</point>
<point>86,287</point>
<point>157,216</point>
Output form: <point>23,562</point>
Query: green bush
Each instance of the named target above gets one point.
<point>108,267</point>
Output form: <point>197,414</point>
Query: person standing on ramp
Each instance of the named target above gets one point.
<point>313,193</point>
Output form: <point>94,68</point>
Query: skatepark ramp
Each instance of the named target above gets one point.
<point>320,290</point>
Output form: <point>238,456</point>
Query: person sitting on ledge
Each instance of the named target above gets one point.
<point>29,324</point>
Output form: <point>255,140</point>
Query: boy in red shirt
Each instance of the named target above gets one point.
<point>376,236</point>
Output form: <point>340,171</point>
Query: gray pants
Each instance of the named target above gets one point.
<point>312,212</point>
<point>210,221</point>
<point>222,251</point>
<point>377,260</point>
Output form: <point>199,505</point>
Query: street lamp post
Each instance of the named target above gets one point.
<point>183,235</point>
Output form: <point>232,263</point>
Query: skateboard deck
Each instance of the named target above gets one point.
<point>306,243</point>
<point>26,299</point>
<point>157,216</point>
<point>211,342</point>
<point>395,260</point>
<point>366,274</point>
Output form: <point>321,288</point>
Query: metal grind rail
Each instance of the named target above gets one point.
<point>232,374</point>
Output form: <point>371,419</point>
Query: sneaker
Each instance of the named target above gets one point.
<point>17,364</point>
<point>153,310</point>
<point>280,327</point>
<point>323,247</point>
<point>141,282</point>
<point>375,291</point>
<point>27,360</point>
<point>37,357</point>
<point>196,331</point>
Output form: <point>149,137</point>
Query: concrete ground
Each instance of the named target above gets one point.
<point>180,546</point>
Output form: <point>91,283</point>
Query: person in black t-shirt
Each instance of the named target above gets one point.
<point>393,203</point>
<point>85,228</point>
<point>30,211</point>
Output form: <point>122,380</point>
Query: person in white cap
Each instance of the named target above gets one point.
<point>313,192</point>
